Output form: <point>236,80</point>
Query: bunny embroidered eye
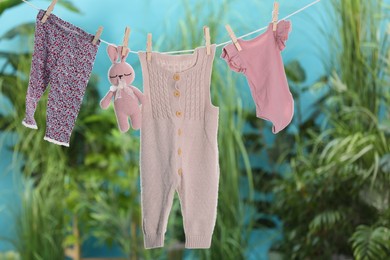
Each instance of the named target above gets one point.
<point>113,77</point>
<point>128,74</point>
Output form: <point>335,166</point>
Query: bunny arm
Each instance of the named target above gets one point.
<point>139,94</point>
<point>105,102</point>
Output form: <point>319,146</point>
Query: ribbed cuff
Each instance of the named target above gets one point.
<point>29,125</point>
<point>198,241</point>
<point>153,241</point>
<point>55,141</point>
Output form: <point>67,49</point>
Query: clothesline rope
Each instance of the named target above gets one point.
<point>219,44</point>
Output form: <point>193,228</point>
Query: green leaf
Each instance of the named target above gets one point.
<point>295,72</point>
<point>385,163</point>
<point>6,4</point>
<point>14,59</point>
<point>69,5</point>
<point>371,243</point>
<point>5,122</point>
<point>337,83</point>
<point>326,220</point>
<point>23,29</point>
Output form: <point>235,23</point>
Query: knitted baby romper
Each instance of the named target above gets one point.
<point>179,149</point>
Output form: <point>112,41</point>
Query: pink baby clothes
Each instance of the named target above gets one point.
<point>261,62</point>
<point>179,151</point>
<point>63,57</point>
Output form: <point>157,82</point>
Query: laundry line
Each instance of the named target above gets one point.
<point>217,45</point>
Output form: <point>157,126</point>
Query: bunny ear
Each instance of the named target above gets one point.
<point>123,57</point>
<point>112,53</point>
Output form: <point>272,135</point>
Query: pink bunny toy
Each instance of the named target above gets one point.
<point>126,96</point>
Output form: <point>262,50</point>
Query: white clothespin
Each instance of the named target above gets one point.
<point>97,35</point>
<point>233,37</point>
<point>149,47</point>
<point>126,40</point>
<point>49,11</point>
<point>206,32</point>
<point>275,15</point>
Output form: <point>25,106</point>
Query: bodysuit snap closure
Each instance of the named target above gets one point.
<point>178,113</point>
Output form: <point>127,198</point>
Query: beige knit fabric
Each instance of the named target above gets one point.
<point>179,150</point>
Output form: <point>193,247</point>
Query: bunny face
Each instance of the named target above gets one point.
<point>119,70</point>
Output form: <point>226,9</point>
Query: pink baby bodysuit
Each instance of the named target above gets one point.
<point>261,62</point>
<point>179,151</point>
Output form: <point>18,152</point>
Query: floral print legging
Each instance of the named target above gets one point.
<point>63,58</point>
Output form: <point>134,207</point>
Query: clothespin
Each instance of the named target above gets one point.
<point>126,41</point>
<point>206,31</point>
<point>49,11</point>
<point>275,15</point>
<point>149,47</point>
<point>233,37</point>
<point>97,35</point>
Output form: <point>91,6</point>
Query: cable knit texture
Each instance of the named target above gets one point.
<point>261,62</point>
<point>179,150</point>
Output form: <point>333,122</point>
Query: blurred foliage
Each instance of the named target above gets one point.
<point>326,177</point>
<point>39,224</point>
<point>8,4</point>
<point>371,242</point>
<point>39,221</point>
<point>9,256</point>
<point>335,198</point>
<point>95,181</point>
<point>99,171</point>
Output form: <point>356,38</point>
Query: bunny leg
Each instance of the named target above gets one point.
<point>123,122</point>
<point>136,120</point>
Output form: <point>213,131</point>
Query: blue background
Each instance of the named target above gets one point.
<point>160,17</point>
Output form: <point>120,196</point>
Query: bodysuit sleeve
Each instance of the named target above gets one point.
<point>230,55</point>
<point>282,32</point>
